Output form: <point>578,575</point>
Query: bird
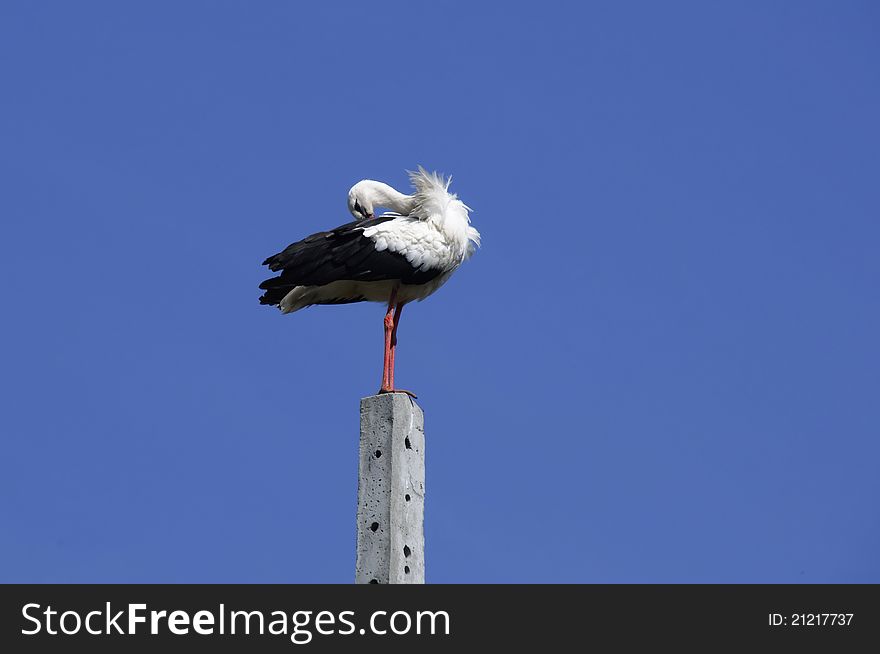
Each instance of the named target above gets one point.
<point>399,256</point>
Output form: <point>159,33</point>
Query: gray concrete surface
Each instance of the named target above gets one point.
<point>391,491</point>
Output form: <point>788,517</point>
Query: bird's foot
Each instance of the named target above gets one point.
<point>398,390</point>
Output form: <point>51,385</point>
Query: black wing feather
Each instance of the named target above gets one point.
<point>343,253</point>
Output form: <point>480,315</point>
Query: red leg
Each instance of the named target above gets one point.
<point>387,375</point>
<point>394,342</point>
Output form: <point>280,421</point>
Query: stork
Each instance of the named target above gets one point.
<point>396,257</point>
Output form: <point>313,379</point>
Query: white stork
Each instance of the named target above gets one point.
<point>396,257</point>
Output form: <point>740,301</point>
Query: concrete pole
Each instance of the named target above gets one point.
<point>391,492</point>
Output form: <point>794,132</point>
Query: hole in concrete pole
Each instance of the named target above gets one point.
<point>406,550</point>
<point>406,569</point>
<point>374,581</point>
<point>407,443</point>
<point>374,526</point>
<point>378,453</point>
<point>406,497</point>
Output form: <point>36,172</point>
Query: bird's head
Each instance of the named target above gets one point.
<point>367,195</point>
<point>361,199</point>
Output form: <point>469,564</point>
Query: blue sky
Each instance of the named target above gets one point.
<point>662,366</point>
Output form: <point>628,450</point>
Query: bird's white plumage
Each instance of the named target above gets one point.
<point>437,231</point>
<point>422,243</point>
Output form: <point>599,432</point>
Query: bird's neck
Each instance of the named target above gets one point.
<point>386,196</point>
